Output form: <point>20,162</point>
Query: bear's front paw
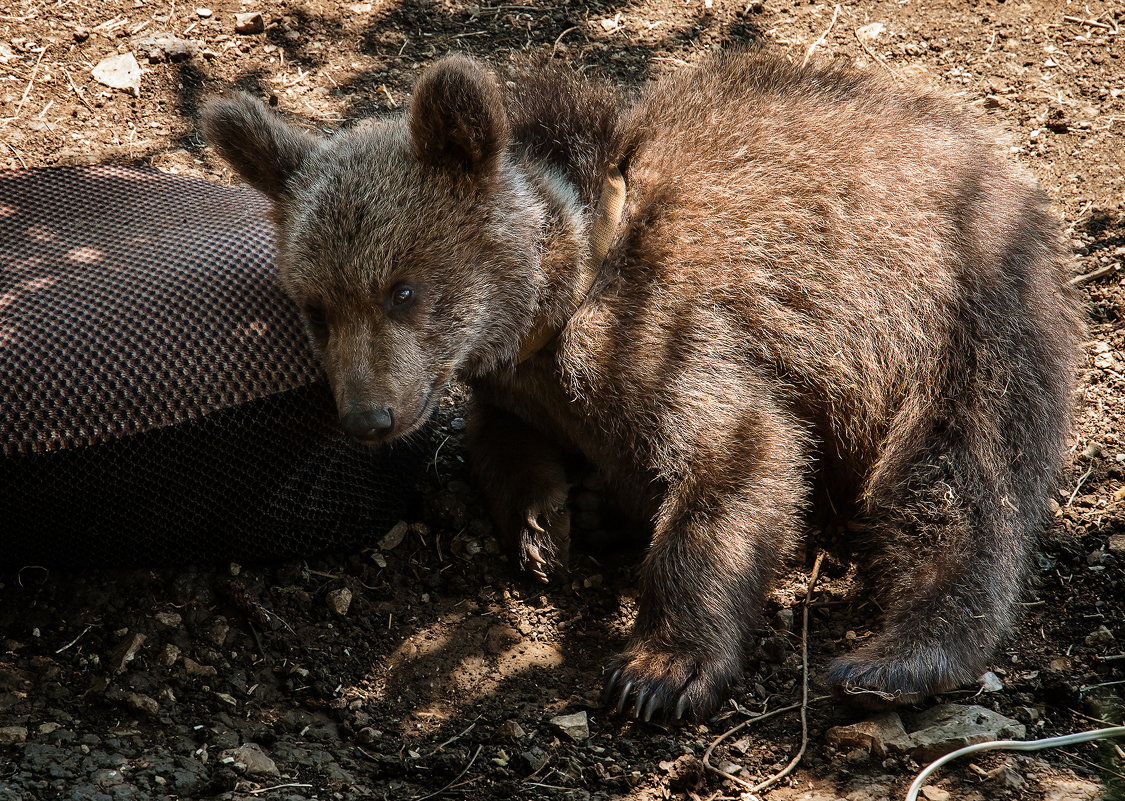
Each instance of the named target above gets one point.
<point>667,685</point>
<point>544,542</point>
<point>880,676</point>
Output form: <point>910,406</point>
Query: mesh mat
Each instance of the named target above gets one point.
<point>158,400</point>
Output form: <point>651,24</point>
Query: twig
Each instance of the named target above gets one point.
<point>16,153</point>
<point>877,58</point>
<point>1092,764</point>
<point>781,774</point>
<point>81,99</point>
<point>80,636</point>
<point>261,790</point>
<point>823,36</point>
<point>31,81</point>
<point>455,778</point>
<point>383,88</point>
<point>1092,22</point>
<point>455,737</point>
<point>803,705</point>
<point>1081,481</point>
<point>558,39</point>
<point>1094,275</point>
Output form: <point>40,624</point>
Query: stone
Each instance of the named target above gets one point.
<point>249,23</point>
<point>120,657</point>
<point>932,793</point>
<point>576,726</point>
<point>941,729</point>
<point>119,72</point>
<point>879,735</point>
<point>193,668</point>
<point>990,683</point>
<point>171,619</point>
<point>251,760</point>
<point>339,601</point>
<point>510,728</point>
<point>1117,544</point>
<point>393,538</point>
<point>10,735</point>
<point>160,47</point>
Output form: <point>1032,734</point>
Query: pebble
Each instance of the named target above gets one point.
<point>124,653</point>
<point>1116,544</point>
<point>339,601</point>
<point>170,619</point>
<point>393,538</point>
<point>160,47</point>
<point>878,734</point>
<point>576,726</point>
<point>510,728</point>
<point>10,735</point>
<point>251,760</point>
<point>1101,636</point>
<point>119,72</point>
<point>932,793</point>
<point>203,12</point>
<point>249,23</point>
<point>990,683</point>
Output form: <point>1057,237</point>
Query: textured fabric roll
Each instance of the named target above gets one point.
<point>158,399</point>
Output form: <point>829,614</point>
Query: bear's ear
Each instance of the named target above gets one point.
<point>457,120</point>
<point>264,149</point>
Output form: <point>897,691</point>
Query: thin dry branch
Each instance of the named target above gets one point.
<point>803,706</point>
<point>823,36</point>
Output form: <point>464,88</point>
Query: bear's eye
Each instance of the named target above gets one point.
<point>402,295</point>
<point>316,317</point>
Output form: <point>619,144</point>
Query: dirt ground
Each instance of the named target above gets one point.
<point>441,677</point>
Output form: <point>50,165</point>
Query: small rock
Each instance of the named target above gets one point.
<point>168,655</point>
<point>941,729</point>
<point>142,703</point>
<point>123,654</point>
<point>535,758</point>
<point>1102,636</point>
<point>990,683</point>
<point>10,735</point>
<point>367,735</point>
<point>1007,776</point>
<point>160,47</point>
<point>339,601</point>
<point>393,538</point>
<point>203,13</point>
<point>249,23</point>
<point>932,793</point>
<point>251,760</point>
<point>879,734</point>
<point>119,72</point>
<point>871,32</point>
<point>193,668</point>
<point>1116,544</point>
<point>509,728</point>
<point>575,726</point>
<point>170,619</point>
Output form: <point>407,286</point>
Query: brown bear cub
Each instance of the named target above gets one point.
<point>753,275</point>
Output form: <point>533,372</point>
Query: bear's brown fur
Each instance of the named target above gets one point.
<point>814,269</point>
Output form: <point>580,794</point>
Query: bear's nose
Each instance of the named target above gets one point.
<point>369,425</point>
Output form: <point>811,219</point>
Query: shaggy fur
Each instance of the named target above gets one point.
<point>817,273</point>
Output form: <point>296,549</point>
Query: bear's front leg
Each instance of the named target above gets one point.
<point>726,520</point>
<point>522,476</point>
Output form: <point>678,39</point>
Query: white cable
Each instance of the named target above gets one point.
<point>1011,745</point>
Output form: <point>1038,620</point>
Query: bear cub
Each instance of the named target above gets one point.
<point>753,284</point>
